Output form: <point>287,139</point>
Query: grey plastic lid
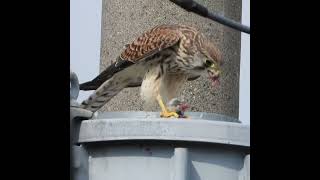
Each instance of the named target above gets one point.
<point>143,114</point>
<point>201,127</point>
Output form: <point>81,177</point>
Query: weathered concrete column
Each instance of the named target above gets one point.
<point>122,21</point>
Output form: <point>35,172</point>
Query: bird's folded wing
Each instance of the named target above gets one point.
<point>150,43</point>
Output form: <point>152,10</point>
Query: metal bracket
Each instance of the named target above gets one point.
<point>76,113</point>
<point>78,166</point>
<point>80,163</point>
<point>244,174</point>
<point>74,88</point>
<point>181,163</point>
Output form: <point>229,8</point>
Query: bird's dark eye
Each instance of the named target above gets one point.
<point>209,63</point>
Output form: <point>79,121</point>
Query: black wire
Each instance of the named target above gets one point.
<point>229,22</point>
<point>197,8</point>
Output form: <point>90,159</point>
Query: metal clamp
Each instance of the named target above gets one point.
<point>74,88</point>
<point>76,115</point>
<point>76,112</point>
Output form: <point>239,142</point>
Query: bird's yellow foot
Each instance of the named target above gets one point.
<point>169,114</point>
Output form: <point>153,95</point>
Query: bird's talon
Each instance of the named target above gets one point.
<point>169,114</point>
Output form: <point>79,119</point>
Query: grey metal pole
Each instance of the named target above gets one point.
<point>70,153</point>
<point>73,96</point>
<point>75,111</point>
<point>181,164</point>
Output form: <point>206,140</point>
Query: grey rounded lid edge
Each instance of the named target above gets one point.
<point>145,114</point>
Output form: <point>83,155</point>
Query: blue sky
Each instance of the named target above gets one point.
<point>244,101</point>
<point>85,40</point>
<point>85,32</point>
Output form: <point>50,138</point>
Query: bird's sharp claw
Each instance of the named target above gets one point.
<point>169,114</point>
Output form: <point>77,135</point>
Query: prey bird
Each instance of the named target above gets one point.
<point>175,105</point>
<point>161,60</point>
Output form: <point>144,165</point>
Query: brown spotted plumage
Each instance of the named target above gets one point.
<point>151,42</point>
<point>160,61</point>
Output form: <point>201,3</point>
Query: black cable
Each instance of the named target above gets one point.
<point>197,8</point>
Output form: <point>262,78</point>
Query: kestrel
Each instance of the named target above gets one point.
<point>160,61</point>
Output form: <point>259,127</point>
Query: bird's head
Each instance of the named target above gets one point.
<point>207,61</point>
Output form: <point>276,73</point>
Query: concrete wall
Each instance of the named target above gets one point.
<point>122,21</point>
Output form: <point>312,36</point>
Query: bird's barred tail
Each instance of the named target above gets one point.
<point>102,95</point>
<point>87,86</point>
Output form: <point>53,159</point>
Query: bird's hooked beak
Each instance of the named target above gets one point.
<point>214,74</point>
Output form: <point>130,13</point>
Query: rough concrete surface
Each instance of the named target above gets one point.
<point>123,21</point>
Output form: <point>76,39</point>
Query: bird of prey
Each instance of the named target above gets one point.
<point>161,60</point>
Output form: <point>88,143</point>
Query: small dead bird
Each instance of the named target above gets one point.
<point>175,105</point>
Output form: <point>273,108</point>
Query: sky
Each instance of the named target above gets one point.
<point>244,101</point>
<point>85,32</point>
<point>85,41</point>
